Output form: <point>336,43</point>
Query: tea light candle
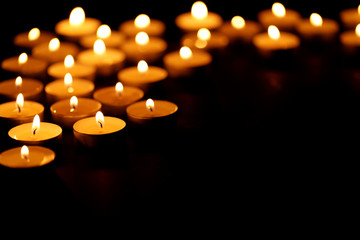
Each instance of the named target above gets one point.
<point>77,70</point>
<point>27,157</point>
<point>17,112</point>
<point>68,87</point>
<point>54,51</point>
<point>199,17</point>
<point>112,39</point>
<point>77,25</point>
<point>186,61</point>
<point>204,39</point>
<point>35,133</point>
<point>350,17</point>
<point>317,28</point>
<point>114,100</point>
<point>107,61</point>
<point>30,88</point>
<point>66,112</point>
<point>142,76</point>
<point>32,38</point>
<point>239,29</point>
<point>284,19</point>
<point>144,48</point>
<point>25,66</point>
<point>143,23</point>
<point>350,40</point>
<point>93,131</point>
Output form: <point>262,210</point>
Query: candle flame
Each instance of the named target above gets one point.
<point>185,53</point>
<point>69,61</point>
<point>36,125</point>
<point>278,10</point>
<point>77,16</point>
<point>316,20</point>
<point>142,21</point>
<point>357,30</point>
<point>22,58</point>
<point>99,117</point>
<point>73,103</point>
<point>103,31</point>
<point>119,88</point>
<point>33,34</point>
<point>273,32</point>
<point>19,102</point>
<point>203,34</point>
<point>142,66</point>
<point>238,22</point>
<point>18,82</point>
<point>24,153</point>
<point>142,38</point>
<point>199,10</point>
<point>150,105</point>
<point>99,47</point>
<point>68,80</point>
<point>54,44</point>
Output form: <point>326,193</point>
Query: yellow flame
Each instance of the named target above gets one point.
<point>77,16</point>
<point>18,82</point>
<point>204,34</point>
<point>68,80</point>
<point>142,21</point>
<point>33,34</point>
<point>357,30</point>
<point>150,105</point>
<point>99,117</point>
<point>69,61</point>
<point>119,88</point>
<point>142,66</point>
<point>36,125</point>
<point>22,58</point>
<point>54,44</point>
<point>99,47</point>
<point>238,22</point>
<point>73,103</point>
<point>19,102</point>
<point>278,9</point>
<point>273,32</point>
<point>316,20</point>
<point>103,31</point>
<point>142,38</point>
<point>185,53</point>
<point>199,10</point>
<point>24,153</point>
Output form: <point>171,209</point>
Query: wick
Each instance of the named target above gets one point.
<point>101,125</point>
<point>34,131</point>
<point>19,108</point>
<point>151,109</point>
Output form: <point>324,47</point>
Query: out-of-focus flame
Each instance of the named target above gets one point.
<point>103,31</point>
<point>273,32</point>
<point>142,21</point>
<point>238,22</point>
<point>357,30</point>
<point>68,80</point>
<point>142,38</point>
<point>33,34</point>
<point>69,61</point>
<point>18,82</point>
<point>77,16</point>
<point>185,53</point>
<point>199,10</point>
<point>316,20</point>
<point>142,66</point>
<point>23,58</point>
<point>54,44</point>
<point>119,88</point>
<point>24,153</point>
<point>150,105</point>
<point>99,47</point>
<point>278,9</point>
<point>73,103</point>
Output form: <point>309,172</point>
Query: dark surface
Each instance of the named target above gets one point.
<point>254,138</point>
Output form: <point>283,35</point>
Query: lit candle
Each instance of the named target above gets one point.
<point>144,47</point>
<point>30,88</point>
<point>98,130</point>
<point>54,51</point>
<point>204,39</point>
<point>106,60</point>
<point>32,38</point>
<point>17,112</point>
<point>350,17</point>
<point>66,112</point>
<point>199,17</point>
<point>27,157</point>
<point>184,62</point>
<point>25,66</point>
<point>114,100</point>
<point>284,19</point>
<point>142,75</point>
<point>112,39</point>
<point>68,87</point>
<point>77,70</point>
<point>142,23</point>
<point>350,40</point>
<point>317,28</point>
<point>77,25</point>
<point>36,133</point>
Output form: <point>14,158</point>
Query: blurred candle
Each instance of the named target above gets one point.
<point>350,41</point>
<point>30,88</point>
<point>32,38</point>
<point>350,17</point>
<point>204,39</point>
<point>142,23</point>
<point>112,39</point>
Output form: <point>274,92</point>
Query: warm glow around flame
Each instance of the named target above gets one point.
<point>24,153</point>
<point>316,20</point>
<point>54,44</point>
<point>203,34</point>
<point>142,66</point>
<point>36,124</point>
<point>119,88</point>
<point>142,21</point>
<point>150,105</point>
<point>69,61</point>
<point>142,38</point>
<point>358,9</point>
<point>18,82</point>
<point>273,32</point>
<point>278,9</point>
<point>103,31</point>
<point>34,34</point>
<point>99,117</point>
<point>357,30</point>
<point>185,53</point>
<point>19,102</point>
<point>77,16</point>
<point>99,47</point>
<point>68,80</point>
<point>22,58</point>
<point>199,10</point>
<point>73,103</point>
<point>238,22</point>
